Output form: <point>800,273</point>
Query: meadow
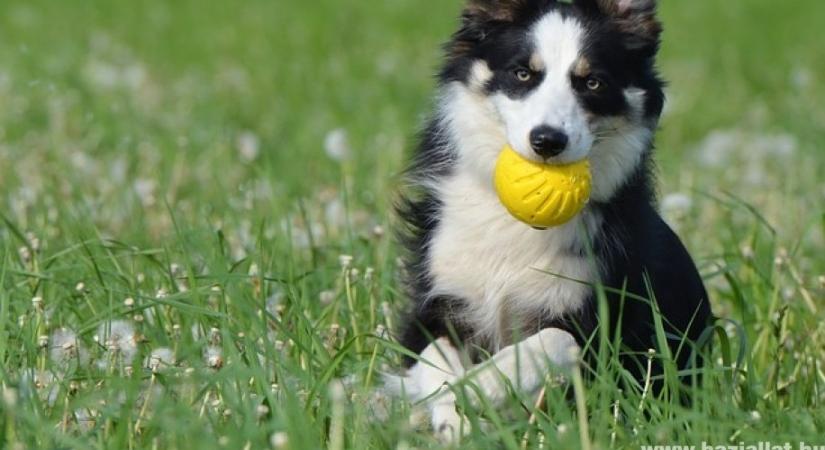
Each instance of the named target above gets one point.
<point>196,231</point>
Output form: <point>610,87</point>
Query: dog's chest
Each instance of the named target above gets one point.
<point>501,268</point>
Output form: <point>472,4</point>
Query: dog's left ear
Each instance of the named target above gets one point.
<point>635,18</point>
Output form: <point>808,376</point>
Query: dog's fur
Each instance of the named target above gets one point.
<point>479,279</point>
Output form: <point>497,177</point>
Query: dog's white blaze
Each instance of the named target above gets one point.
<point>558,44</point>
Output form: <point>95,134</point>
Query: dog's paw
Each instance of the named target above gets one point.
<point>559,347</point>
<point>449,426</point>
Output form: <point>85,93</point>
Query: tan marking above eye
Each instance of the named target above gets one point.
<point>582,67</point>
<point>536,63</point>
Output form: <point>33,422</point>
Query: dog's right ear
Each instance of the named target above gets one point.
<point>481,11</point>
<point>481,16</point>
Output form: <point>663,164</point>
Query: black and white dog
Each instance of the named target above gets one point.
<point>558,82</point>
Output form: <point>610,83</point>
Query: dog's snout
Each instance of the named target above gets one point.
<point>548,141</point>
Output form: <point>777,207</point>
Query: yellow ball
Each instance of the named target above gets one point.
<point>541,195</point>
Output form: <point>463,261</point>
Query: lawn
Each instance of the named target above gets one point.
<point>195,226</point>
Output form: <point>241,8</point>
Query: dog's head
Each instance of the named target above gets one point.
<point>558,82</point>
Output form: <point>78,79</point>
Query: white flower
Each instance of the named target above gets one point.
<point>336,145</point>
<point>273,303</point>
<point>145,190</point>
<point>677,204</point>
<point>37,382</point>
<point>213,356</point>
<point>119,337</point>
<point>159,359</point>
<point>248,146</point>
<point>718,146</point>
<point>279,440</point>
<point>64,347</point>
<point>327,297</point>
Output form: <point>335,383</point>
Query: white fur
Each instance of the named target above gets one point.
<point>481,253</point>
<point>558,43</point>
<point>429,380</point>
<point>523,366</point>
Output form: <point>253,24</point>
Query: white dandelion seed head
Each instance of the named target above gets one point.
<point>336,145</point>
<point>273,302</point>
<point>159,359</point>
<point>213,356</point>
<point>248,146</point>
<point>25,254</point>
<point>119,336</point>
<point>335,213</point>
<point>345,261</point>
<point>65,347</point>
<point>326,297</point>
<point>677,203</point>
<point>279,440</point>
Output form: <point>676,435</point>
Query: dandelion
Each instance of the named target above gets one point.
<point>377,232</point>
<point>336,145</point>
<point>261,411</point>
<point>248,146</point>
<point>65,347</point>
<point>273,303</point>
<point>159,358</point>
<point>37,303</point>
<point>37,382</point>
<point>279,440</point>
<point>345,261</point>
<point>213,356</point>
<point>335,213</point>
<point>25,254</point>
<point>119,338</point>
<point>747,252</point>
<point>145,191</point>
<point>80,286</point>
<point>129,302</point>
<point>677,204</point>
<point>327,297</point>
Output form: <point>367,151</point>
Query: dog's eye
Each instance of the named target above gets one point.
<point>594,84</point>
<point>523,75</point>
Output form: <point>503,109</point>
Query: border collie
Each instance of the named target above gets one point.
<point>558,82</point>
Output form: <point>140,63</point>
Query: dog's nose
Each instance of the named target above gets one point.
<point>548,141</point>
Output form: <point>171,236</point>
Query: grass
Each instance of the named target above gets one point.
<point>166,198</point>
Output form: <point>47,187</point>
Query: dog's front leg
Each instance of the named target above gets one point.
<point>429,379</point>
<point>523,365</point>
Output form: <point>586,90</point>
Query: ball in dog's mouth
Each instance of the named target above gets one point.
<point>541,195</point>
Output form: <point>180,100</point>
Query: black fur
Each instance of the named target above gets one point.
<point>620,50</point>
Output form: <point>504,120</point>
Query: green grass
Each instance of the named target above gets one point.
<point>124,197</point>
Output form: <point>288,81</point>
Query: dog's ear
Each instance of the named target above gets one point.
<point>480,17</point>
<point>635,18</point>
<point>481,11</point>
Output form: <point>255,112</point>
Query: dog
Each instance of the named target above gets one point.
<point>558,82</point>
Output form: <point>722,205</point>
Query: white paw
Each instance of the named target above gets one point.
<point>559,346</point>
<point>448,424</point>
